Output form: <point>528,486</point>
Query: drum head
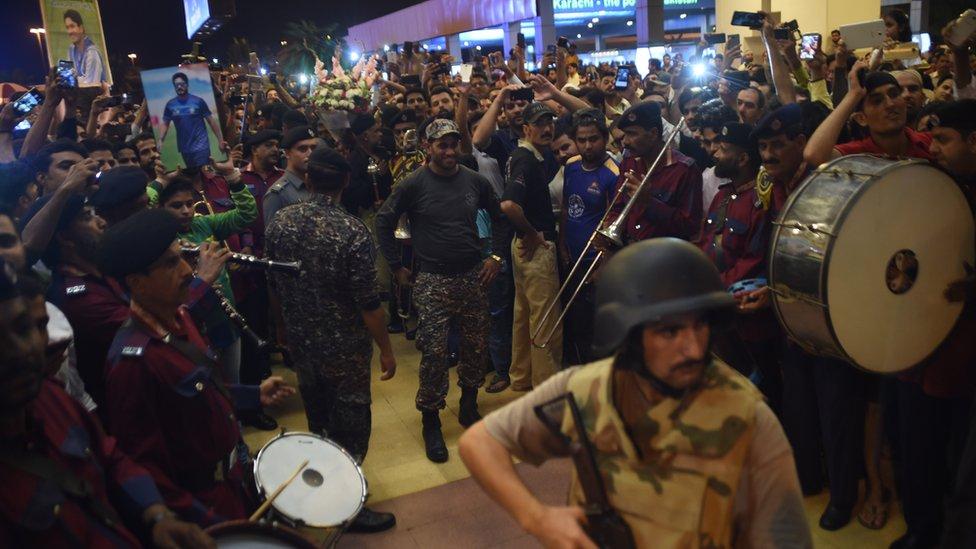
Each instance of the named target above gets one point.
<point>899,245</point>
<point>328,492</point>
<point>242,534</point>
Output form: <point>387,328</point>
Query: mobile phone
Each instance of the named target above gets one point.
<point>21,129</point>
<point>113,101</point>
<point>810,45</point>
<point>563,42</point>
<point>236,100</point>
<point>521,41</point>
<point>27,102</point>
<point>523,94</point>
<point>749,19</point>
<point>717,38</point>
<point>410,80</point>
<point>408,49</point>
<point>623,78</point>
<point>782,33</point>
<point>66,73</point>
<point>273,77</point>
<point>733,42</point>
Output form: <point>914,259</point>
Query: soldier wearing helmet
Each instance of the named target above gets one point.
<point>688,452</point>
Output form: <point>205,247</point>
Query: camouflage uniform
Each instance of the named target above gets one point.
<point>321,306</point>
<point>440,298</point>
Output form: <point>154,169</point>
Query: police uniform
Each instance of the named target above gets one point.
<point>290,188</point>
<point>329,343</point>
<point>164,399</point>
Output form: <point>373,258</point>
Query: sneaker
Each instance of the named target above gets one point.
<point>371,522</point>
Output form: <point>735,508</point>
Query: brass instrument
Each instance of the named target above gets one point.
<point>373,169</point>
<point>613,232</point>
<point>291,267</point>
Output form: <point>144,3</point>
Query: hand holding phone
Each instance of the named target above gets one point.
<point>66,74</point>
<point>522,94</point>
<point>623,79</point>
<point>521,41</point>
<point>29,101</point>
<point>810,45</point>
<point>749,19</point>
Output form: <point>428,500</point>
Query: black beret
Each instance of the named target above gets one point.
<point>294,118</point>
<point>327,157</point>
<point>646,115</point>
<point>134,244</point>
<point>740,135</point>
<point>406,116</point>
<point>118,186</point>
<point>264,111</point>
<point>779,121</point>
<point>260,137</point>
<point>295,135</point>
<point>362,122</point>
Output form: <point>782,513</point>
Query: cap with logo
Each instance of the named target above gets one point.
<point>535,111</point>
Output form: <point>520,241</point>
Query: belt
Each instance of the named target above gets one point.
<point>435,267</point>
<point>548,235</point>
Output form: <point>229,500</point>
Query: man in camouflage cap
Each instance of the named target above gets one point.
<point>689,454</point>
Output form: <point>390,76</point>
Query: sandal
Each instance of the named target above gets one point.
<point>498,384</point>
<point>875,516</point>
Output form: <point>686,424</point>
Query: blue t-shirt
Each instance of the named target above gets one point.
<point>586,196</point>
<point>188,117</point>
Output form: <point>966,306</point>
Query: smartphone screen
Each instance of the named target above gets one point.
<point>27,102</point>
<point>747,19</point>
<point>623,78</point>
<point>521,41</point>
<point>66,71</point>
<point>809,46</point>
<point>718,38</point>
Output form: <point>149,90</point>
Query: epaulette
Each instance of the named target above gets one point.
<point>276,188</point>
<point>128,343</point>
<point>76,290</point>
<point>687,160</point>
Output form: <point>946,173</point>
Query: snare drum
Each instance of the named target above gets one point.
<point>242,534</point>
<point>329,492</point>
<point>861,255</point>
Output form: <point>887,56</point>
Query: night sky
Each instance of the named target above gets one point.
<point>156,32</point>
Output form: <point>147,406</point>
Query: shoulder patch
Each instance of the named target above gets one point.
<point>77,289</point>
<point>132,350</point>
<point>276,188</point>
<point>129,342</point>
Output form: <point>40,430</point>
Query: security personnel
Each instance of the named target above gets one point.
<point>671,202</point>
<point>57,465</point>
<point>689,452</point>
<point>298,144</point>
<point>330,310</point>
<point>164,400</point>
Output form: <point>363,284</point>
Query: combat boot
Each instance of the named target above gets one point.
<point>468,414</point>
<point>433,439</point>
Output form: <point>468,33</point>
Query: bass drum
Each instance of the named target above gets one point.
<point>242,534</point>
<point>861,255</point>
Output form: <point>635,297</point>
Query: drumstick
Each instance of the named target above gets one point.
<point>267,503</point>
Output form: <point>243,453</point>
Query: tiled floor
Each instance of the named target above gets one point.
<point>438,505</point>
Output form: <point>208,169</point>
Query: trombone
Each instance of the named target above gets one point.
<point>613,232</point>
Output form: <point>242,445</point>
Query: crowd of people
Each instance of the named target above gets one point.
<point>451,210</point>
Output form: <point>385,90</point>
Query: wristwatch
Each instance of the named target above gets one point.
<point>499,259</point>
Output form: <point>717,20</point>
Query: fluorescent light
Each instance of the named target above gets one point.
<point>630,23</point>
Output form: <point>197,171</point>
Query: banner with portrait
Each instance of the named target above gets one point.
<point>183,114</point>
<point>73,31</point>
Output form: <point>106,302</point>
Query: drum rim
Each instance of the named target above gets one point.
<point>297,521</point>
<point>825,264</point>
<point>241,526</point>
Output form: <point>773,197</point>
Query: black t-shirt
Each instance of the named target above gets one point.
<point>527,184</point>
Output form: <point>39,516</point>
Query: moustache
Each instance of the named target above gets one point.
<point>688,364</point>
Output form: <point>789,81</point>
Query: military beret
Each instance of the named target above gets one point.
<point>327,157</point>
<point>406,116</point>
<point>118,186</point>
<point>264,111</point>
<point>361,122</point>
<point>294,118</point>
<point>646,115</point>
<point>535,111</point>
<point>779,121</point>
<point>261,137</point>
<point>294,135</point>
<point>740,135</point>
<point>134,244</point>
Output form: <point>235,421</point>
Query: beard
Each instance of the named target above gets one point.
<point>724,169</point>
<point>87,247</point>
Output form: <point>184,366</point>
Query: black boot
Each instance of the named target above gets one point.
<point>433,439</point>
<point>468,414</point>
<point>370,522</point>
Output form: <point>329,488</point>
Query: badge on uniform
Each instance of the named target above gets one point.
<point>75,290</point>
<point>776,124</point>
<point>632,117</point>
<point>130,350</point>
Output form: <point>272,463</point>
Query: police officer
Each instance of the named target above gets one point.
<point>442,202</point>
<point>332,311</point>
<point>691,453</point>
<point>57,465</point>
<point>298,144</point>
<point>164,401</point>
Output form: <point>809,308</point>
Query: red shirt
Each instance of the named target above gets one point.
<point>675,204</point>
<point>38,513</point>
<point>918,146</point>
<point>170,415</point>
<point>737,242</point>
<point>259,187</point>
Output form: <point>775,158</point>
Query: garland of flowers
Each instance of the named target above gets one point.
<point>340,91</point>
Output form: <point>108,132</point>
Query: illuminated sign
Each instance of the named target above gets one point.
<point>588,5</point>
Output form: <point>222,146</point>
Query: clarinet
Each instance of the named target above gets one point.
<point>291,267</point>
<point>237,318</point>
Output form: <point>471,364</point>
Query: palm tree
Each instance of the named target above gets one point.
<point>305,41</point>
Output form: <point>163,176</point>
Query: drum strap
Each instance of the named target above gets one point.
<point>719,230</point>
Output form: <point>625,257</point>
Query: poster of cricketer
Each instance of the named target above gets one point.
<point>183,115</point>
<point>73,31</point>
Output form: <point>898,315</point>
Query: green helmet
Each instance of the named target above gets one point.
<point>651,280</point>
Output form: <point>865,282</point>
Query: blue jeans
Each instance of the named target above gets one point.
<point>501,303</point>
